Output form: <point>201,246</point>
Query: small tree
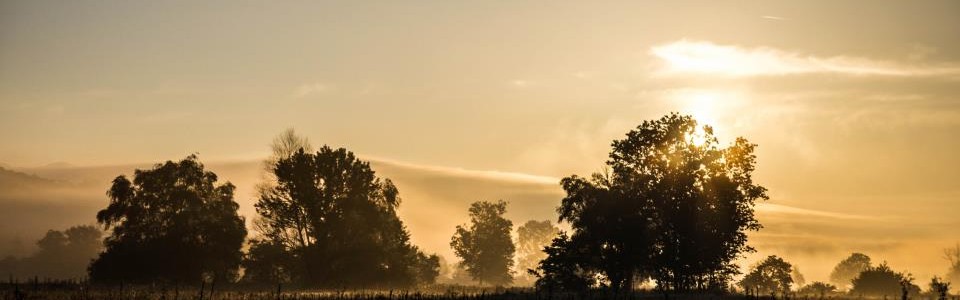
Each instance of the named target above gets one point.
<point>486,247</point>
<point>848,269</point>
<point>769,277</point>
<point>953,256</point>
<point>939,288</point>
<point>532,237</point>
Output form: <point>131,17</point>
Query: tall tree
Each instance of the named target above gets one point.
<point>532,237</point>
<point>769,277</point>
<point>171,223</point>
<point>486,247</point>
<point>327,220</point>
<point>953,257</point>
<point>848,269</point>
<point>674,207</point>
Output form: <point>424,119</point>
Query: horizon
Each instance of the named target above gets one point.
<point>853,105</point>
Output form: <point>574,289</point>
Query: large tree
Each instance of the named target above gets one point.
<point>532,237</point>
<point>327,220</point>
<point>674,206</point>
<point>848,269</point>
<point>881,281</point>
<point>485,246</point>
<point>172,223</point>
<point>770,277</point>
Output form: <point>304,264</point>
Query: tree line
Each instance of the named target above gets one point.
<point>672,207</point>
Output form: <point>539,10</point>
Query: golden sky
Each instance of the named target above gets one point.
<point>854,104</point>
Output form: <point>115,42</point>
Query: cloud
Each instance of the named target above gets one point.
<point>771,208</point>
<point>699,57</point>
<point>461,172</point>
<point>775,18</point>
<point>309,89</point>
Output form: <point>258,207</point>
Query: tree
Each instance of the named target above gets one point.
<point>565,267</point>
<point>673,207</point>
<point>172,223</point>
<point>486,247</point>
<point>939,288</point>
<point>533,236</point>
<point>62,255</point>
<point>848,269</point>
<point>881,281</point>
<point>769,277</point>
<point>817,288</point>
<point>327,220</point>
<point>953,256</point>
<point>797,277</point>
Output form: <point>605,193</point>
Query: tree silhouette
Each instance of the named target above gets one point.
<point>486,247</point>
<point>848,269</point>
<point>797,277</point>
<point>769,277</point>
<point>329,221</point>
<point>939,288</point>
<point>532,237</point>
<point>171,223</point>
<point>953,256</point>
<point>881,281</point>
<point>674,207</point>
<point>62,255</point>
<point>566,267</point>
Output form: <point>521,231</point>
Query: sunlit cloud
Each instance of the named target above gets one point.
<point>310,89</point>
<point>461,172</point>
<point>775,18</point>
<point>770,208</point>
<point>697,57</point>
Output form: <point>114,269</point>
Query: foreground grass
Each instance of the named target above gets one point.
<point>79,291</point>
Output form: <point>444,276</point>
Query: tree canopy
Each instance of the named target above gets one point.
<point>485,246</point>
<point>328,221</point>
<point>881,281</point>
<point>172,223</point>
<point>61,255</point>
<point>532,237</point>
<point>848,269</point>
<point>772,276</point>
<point>673,206</point>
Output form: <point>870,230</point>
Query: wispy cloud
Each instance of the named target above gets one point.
<point>456,171</point>
<point>789,210</point>
<point>699,57</point>
<point>310,89</point>
<point>775,18</point>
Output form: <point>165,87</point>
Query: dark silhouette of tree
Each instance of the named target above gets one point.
<point>848,269</point>
<point>939,288</point>
<point>953,256</point>
<point>486,247</point>
<point>881,281</point>
<point>172,223</point>
<point>818,289</point>
<point>769,277</point>
<point>673,207</point>
<point>532,237</point>
<point>327,220</point>
<point>566,267</point>
<point>62,255</point>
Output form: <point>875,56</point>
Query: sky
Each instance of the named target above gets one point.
<point>854,104</point>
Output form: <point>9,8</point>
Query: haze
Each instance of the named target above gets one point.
<point>853,105</point>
